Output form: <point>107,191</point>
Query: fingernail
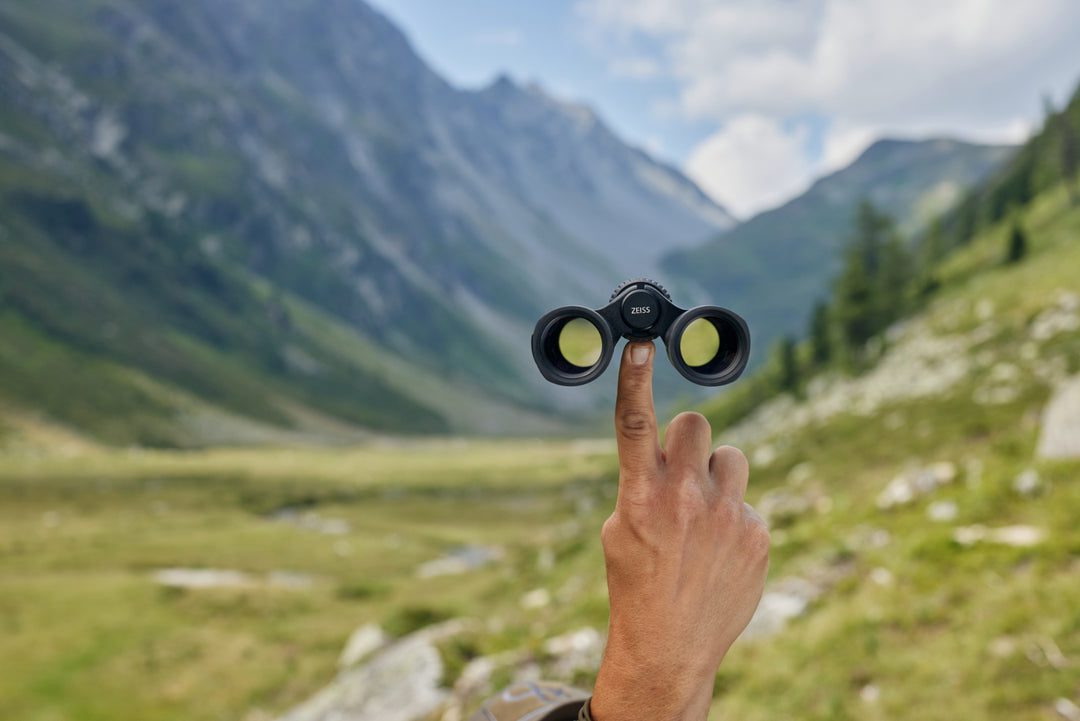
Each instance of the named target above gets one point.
<point>639,353</point>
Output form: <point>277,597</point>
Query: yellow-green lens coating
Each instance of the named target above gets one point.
<point>580,343</point>
<point>700,342</point>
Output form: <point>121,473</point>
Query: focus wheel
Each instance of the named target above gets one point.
<point>639,282</point>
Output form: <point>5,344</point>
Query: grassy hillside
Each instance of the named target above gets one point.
<point>122,329</point>
<point>915,618</point>
<point>92,306</point>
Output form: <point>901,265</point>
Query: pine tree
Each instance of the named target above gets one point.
<point>1069,159</point>
<point>871,290</point>
<point>1017,245</point>
<point>789,365</point>
<point>820,343</point>
<point>966,219</point>
<point>932,248</point>
<point>893,279</point>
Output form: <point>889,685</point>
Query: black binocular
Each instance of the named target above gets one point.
<point>708,345</point>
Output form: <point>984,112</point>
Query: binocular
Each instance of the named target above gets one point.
<point>708,345</point>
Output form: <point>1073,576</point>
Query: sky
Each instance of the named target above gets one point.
<point>754,99</point>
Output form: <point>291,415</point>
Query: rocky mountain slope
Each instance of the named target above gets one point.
<point>778,263</point>
<point>202,170</point>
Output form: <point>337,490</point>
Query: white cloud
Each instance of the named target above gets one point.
<point>967,68</point>
<point>753,163</point>
<point>844,142</point>
<point>636,68</point>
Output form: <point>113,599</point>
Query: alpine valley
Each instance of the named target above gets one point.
<point>236,222</point>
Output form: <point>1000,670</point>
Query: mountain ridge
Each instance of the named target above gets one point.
<point>781,261</point>
<point>313,151</point>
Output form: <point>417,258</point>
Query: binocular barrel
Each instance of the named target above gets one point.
<point>708,345</point>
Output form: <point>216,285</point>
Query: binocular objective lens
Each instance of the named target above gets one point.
<point>700,343</point>
<point>580,343</point>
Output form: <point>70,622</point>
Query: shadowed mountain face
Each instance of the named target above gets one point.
<point>201,167</point>
<point>778,263</point>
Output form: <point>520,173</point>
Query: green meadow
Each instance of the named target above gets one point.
<point>88,633</point>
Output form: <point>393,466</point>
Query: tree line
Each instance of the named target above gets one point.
<point>885,277</point>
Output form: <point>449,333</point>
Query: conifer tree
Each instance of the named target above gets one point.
<point>820,343</point>
<point>893,279</point>
<point>871,290</point>
<point>1069,159</point>
<point>932,248</point>
<point>789,365</point>
<point>1017,245</point>
<point>966,219</point>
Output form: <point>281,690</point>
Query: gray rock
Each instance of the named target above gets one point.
<point>1062,317</point>
<point>1017,536</point>
<point>311,521</point>
<point>942,511</point>
<point>1060,435</point>
<point>460,560</point>
<point>362,643</point>
<point>780,505</point>
<point>400,683</point>
<point>916,483</point>
<point>786,599</point>
<point>1067,709</point>
<point>196,578</point>
<point>1028,483</point>
<point>578,650</point>
<point>202,578</point>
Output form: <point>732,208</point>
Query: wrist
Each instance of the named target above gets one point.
<point>631,691</point>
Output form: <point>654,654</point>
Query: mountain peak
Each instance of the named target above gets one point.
<point>890,147</point>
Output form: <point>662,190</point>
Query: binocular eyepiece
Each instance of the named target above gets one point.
<point>708,345</point>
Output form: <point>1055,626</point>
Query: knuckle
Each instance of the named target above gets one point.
<point>635,425</point>
<point>608,533</point>
<point>728,514</point>
<point>758,539</point>
<point>689,494</point>
<point>637,513</point>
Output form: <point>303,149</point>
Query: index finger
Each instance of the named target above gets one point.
<point>635,417</point>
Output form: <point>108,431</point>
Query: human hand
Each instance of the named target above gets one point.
<point>686,559</point>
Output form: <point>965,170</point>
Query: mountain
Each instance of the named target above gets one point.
<point>276,212</point>
<point>778,263</point>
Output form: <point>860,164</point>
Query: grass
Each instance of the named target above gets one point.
<point>950,631</point>
<point>96,637</point>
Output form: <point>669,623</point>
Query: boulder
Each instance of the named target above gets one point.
<point>1059,437</point>
<point>362,643</point>
<point>402,682</point>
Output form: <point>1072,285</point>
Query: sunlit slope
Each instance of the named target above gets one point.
<point>936,553</point>
<point>118,328</point>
